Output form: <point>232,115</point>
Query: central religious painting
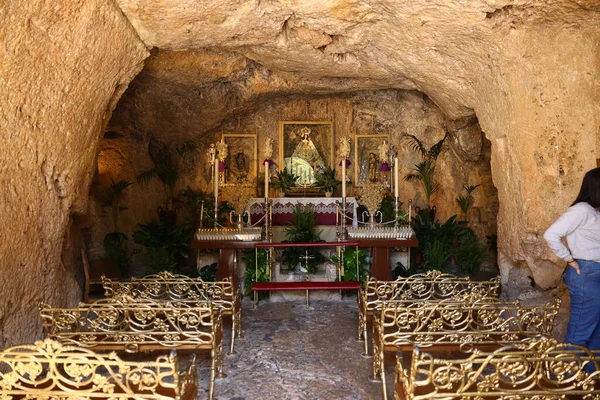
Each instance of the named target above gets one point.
<point>306,148</point>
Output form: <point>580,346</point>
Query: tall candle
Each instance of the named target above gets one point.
<point>396,177</point>
<point>266,179</point>
<point>344,177</point>
<point>216,179</point>
<point>201,213</point>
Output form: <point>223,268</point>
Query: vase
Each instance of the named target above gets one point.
<point>372,220</point>
<point>240,222</point>
<point>328,194</point>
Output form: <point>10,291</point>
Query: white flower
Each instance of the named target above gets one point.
<point>384,150</point>
<point>344,146</point>
<point>222,149</point>
<point>268,148</point>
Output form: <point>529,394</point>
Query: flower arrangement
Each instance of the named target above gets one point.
<point>371,195</point>
<point>238,197</point>
<point>222,148</point>
<point>325,180</point>
<point>268,151</point>
<point>384,150</point>
<point>285,180</point>
<point>344,146</point>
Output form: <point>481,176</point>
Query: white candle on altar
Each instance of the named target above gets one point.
<point>396,177</point>
<point>344,177</point>
<point>266,179</point>
<point>216,179</point>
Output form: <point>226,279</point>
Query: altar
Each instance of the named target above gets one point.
<point>325,209</point>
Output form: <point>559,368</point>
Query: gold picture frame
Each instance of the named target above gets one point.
<point>304,147</point>
<point>242,159</point>
<point>365,147</point>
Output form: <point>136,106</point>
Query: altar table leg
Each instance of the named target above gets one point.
<point>226,267</point>
<point>381,267</point>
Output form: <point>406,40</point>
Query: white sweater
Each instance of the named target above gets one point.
<point>580,224</point>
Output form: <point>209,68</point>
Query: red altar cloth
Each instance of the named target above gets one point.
<point>283,209</point>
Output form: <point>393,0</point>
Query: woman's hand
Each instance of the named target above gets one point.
<point>573,263</point>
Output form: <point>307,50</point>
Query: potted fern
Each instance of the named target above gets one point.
<point>325,181</point>
<point>284,180</point>
<point>425,170</point>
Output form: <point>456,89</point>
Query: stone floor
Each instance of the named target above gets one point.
<point>290,352</point>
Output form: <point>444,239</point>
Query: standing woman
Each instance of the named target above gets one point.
<point>580,225</point>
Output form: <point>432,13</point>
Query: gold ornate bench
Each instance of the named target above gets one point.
<point>51,370</point>
<point>432,285</point>
<point>454,324</point>
<point>540,369</point>
<point>174,287</point>
<point>132,326</point>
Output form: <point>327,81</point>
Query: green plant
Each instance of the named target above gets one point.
<point>428,230</point>
<point>172,240</point>
<point>166,168</point>
<point>436,254</point>
<point>208,273</point>
<point>402,271</point>
<point>350,257</point>
<point>112,197</point>
<point>160,259</point>
<point>250,275</point>
<point>115,248</point>
<point>168,174</point>
<point>325,180</point>
<point>302,230</point>
<point>469,252</point>
<point>284,180</point>
<point>193,200</point>
<point>425,170</point>
<point>465,202</point>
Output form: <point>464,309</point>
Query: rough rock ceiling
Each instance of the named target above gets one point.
<point>442,48</point>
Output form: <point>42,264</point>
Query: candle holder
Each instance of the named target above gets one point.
<point>268,231</point>
<point>396,212</point>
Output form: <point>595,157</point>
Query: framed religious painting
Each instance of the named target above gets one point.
<point>305,148</point>
<point>242,156</point>
<point>368,157</point>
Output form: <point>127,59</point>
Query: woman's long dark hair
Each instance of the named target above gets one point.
<point>590,189</point>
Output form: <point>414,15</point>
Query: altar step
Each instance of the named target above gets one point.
<point>303,286</point>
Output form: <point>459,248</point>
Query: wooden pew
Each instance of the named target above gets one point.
<point>454,324</point>
<point>536,369</point>
<point>132,326</point>
<point>173,287</point>
<point>431,285</point>
<point>51,370</point>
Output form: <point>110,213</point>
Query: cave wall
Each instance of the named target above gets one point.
<point>138,119</point>
<point>63,67</point>
<point>528,70</point>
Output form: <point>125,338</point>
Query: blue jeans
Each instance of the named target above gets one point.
<point>584,318</point>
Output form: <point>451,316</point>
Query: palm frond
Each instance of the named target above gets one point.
<point>168,174</point>
<point>464,202</point>
<point>436,149</point>
<point>416,145</point>
<point>116,191</point>
<point>471,188</point>
<point>411,177</point>
<point>185,147</point>
<point>146,177</point>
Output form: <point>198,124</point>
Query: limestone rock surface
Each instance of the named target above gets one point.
<point>63,65</point>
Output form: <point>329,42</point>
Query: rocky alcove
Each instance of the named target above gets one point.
<point>86,86</point>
